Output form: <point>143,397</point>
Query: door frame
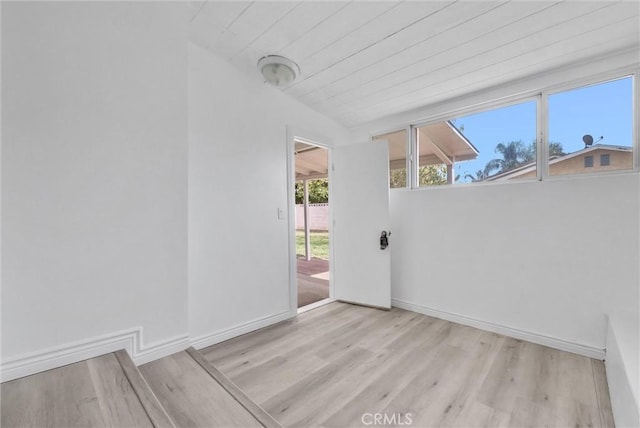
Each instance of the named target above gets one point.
<point>324,143</point>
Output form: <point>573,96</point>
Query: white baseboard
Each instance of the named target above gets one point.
<point>211,339</point>
<point>159,350</point>
<point>131,340</point>
<point>552,342</point>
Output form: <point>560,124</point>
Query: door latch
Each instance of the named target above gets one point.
<point>384,239</point>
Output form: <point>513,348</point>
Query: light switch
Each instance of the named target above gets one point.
<point>280,214</point>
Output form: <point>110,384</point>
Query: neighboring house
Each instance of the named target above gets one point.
<point>599,157</point>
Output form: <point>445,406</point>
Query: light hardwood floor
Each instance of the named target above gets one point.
<point>191,397</point>
<point>332,365</point>
<point>92,393</point>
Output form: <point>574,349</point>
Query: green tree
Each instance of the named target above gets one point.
<point>318,191</point>
<point>555,149</point>
<point>432,175</point>
<point>398,178</point>
<point>514,154</point>
<point>428,176</point>
<point>480,175</point>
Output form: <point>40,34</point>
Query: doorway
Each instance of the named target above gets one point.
<point>312,224</point>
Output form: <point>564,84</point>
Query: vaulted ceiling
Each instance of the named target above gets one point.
<point>361,60</point>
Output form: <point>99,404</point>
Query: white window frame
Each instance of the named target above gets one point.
<point>542,128</point>
<point>474,110</point>
<point>584,83</point>
<point>408,152</point>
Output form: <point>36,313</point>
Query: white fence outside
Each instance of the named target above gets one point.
<point>318,217</point>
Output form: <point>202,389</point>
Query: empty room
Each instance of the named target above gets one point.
<point>320,213</point>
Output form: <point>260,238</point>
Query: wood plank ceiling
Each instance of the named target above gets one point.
<point>361,61</point>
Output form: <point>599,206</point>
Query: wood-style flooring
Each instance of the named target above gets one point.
<point>91,393</point>
<point>342,365</point>
<point>193,398</point>
<point>181,390</point>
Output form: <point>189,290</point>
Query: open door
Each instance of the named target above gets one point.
<point>360,198</point>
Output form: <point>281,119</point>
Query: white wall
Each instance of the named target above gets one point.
<point>551,258</point>
<point>622,363</point>
<point>94,173</point>
<point>514,257</point>
<point>238,249</point>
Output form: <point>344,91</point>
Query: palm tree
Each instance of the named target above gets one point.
<point>479,175</point>
<point>482,174</point>
<point>514,154</point>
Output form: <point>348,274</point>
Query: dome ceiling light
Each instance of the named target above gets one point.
<point>278,70</point>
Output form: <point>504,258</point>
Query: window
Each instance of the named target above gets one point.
<point>591,122</point>
<point>549,134</point>
<point>588,161</point>
<point>497,144</point>
<point>397,157</point>
<point>435,161</point>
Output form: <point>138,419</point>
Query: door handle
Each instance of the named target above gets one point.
<point>384,239</point>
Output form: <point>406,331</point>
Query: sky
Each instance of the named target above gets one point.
<point>599,110</point>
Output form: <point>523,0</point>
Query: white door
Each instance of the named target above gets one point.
<point>360,199</point>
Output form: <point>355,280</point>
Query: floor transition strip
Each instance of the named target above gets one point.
<point>258,412</point>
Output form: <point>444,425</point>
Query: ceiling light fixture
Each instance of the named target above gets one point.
<point>278,70</point>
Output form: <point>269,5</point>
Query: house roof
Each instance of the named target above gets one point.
<point>443,143</point>
<point>438,143</point>
<point>531,166</point>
